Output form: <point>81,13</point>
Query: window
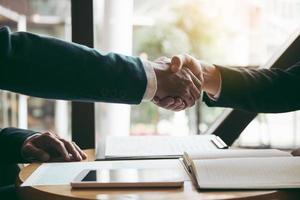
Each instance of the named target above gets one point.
<point>231,32</point>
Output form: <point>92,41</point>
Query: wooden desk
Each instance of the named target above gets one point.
<point>187,192</point>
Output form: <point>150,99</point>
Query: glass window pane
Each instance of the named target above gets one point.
<point>231,32</point>
<point>272,130</point>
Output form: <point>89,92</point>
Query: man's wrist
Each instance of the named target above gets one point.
<point>211,79</point>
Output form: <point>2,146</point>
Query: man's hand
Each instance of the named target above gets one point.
<point>49,147</point>
<point>296,152</point>
<point>207,74</point>
<point>182,86</point>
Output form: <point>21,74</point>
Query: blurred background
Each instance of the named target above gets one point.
<point>224,32</point>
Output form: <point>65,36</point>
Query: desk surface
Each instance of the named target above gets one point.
<point>187,192</point>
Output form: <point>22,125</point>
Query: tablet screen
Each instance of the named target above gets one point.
<point>132,175</point>
<point>91,176</point>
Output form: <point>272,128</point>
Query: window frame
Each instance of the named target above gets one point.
<point>83,113</point>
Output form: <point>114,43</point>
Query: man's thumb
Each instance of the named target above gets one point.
<point>176,63</point>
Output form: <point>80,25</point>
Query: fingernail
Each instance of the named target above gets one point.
<point>68,158</point>
<point>84,155</point>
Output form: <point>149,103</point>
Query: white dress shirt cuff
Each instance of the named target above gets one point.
<point>151,81</point>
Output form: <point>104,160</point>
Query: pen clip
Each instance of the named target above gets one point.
<point>219,143</point>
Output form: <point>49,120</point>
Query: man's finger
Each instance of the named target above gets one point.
<point>174,105</point>
<point>177,102</point>
<point>176,63</point>
<point>195,88</point>
<point>72,150</point>
<point>195,79</point>
<point>165,102</point>
<point>170,103</point>
<point>82,153</point>
<point>187,96</point>
<point>180,106</point>
<point>60,147</point>
<point>189,100</point>
<point>191,63</point>
<point>31,152</point>
<point>195,92</point>
<point>296,152</point>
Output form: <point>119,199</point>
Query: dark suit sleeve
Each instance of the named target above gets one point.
<point>11,141</point>
<point>259,90</point>
<point>50,68</point>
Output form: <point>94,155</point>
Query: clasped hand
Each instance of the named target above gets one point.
<point>47,146</point>
<point>179,82</point>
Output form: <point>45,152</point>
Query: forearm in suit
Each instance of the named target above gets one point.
<point>51,68</point>
<point>259,90</point>
<point>11,141</point>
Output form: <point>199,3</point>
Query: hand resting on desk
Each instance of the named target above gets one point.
<point>296,152</point>
<point>47,147</point>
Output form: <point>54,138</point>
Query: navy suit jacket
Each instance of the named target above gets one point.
<point>51,68</point>
<point>259,90</point>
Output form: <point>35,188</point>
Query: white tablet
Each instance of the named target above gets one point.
<point>120,178</point>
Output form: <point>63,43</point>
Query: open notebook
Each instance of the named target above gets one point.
<point>243,169</point>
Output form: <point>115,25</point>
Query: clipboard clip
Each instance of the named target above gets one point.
<point>219,143</point>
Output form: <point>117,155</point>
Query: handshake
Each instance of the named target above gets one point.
<point>181,79</point>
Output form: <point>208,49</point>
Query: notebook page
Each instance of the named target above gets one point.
<point>156,145</point>
<point>236,153</point>
<point>248,173</point>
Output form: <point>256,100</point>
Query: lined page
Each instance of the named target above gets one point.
<point>248,173</point>
<point>236,153</point>
<point>156,145</point>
